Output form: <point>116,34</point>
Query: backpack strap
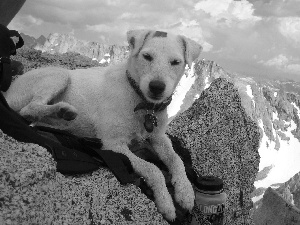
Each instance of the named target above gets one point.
<point>118,163</point>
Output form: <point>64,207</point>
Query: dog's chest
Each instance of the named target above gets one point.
<point>137,126</point>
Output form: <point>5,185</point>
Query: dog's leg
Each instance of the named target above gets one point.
<point>152,175</point>
<point>42,94</point>
<point>184,193</point>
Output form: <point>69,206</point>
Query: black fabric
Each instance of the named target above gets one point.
<point>5,73</point>
<point>5,50</point>
<point>118,163</point>
<point>8,48</point>
<point>17,68</point>
<point>4,41</point>
<point>69,161</point>
<point>14,33</point>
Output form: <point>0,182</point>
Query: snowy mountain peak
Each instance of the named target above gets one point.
<point>274,105</point>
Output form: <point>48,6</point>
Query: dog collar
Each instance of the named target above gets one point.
<point>146,104</point>
<point>151,108</point>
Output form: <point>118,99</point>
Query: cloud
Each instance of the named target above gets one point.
<point>294,68</point>
<point>276,8</point>
<point>230,31</point>
<point>102,16</point>
<point>284,63</point>
<point>24,22</point>
<point>290,28</point>
<point>278,61</point>
<point>112,18</point>
<point>33,20</point>
<point>229,10</point>
<point>192,30</point>
<point>213,7</point>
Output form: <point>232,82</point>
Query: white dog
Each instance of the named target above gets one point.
<point>118,104</point>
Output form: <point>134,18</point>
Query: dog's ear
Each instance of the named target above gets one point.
<point>191,49</point>
<point>136,40</point>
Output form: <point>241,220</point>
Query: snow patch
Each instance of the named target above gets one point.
<point>275,94</point>
<point>182,88</point>
<point>296,107</point>
<point>267,153</point>
<point>249,91</point>
<point>102,61</point>
<point>275,116</point>
<point>285,160</point>
<point>250,94</point>
<point>206,82</point>
<point>196,96</point>
<point>257,198</point>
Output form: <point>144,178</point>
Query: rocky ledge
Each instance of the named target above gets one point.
<point>223,141</point>
<point>32,192</point>
<point>215,136</point>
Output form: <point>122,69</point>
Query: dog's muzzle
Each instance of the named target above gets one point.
<point>156,89</point>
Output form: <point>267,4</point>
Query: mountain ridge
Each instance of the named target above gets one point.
<point>275,107</point>
<point>32,42</point>
<point>63,43</point>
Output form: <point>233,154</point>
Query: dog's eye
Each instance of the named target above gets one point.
<point>148,57</point>
<point>175,62</point>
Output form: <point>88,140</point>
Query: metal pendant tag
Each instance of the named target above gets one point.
<point>150,122</point>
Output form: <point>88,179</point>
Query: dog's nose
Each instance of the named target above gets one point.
<point>157,87</point>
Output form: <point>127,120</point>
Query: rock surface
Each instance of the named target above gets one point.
<point>290,190</point>
<point>223,141</point>
<point>221,137</point>
<point>32,192</point>
<point>275,210</point>
<point>273,105</point>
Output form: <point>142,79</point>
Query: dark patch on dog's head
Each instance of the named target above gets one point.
<point>144,41</point>
<point>132,41</point>
<point>160,34</point>
<point>184,50</point>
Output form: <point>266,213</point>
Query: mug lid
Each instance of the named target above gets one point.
<point>209,183</point>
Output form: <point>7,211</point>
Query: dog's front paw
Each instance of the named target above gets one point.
<point>184,193</point>
<point>28,117</point>
<point>27,114</point>
<point>166,207</point>
<point>67,112</point>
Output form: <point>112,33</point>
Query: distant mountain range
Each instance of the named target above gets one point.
<point>32,42</point>
<point>62,43</point>
<point>275,106</point>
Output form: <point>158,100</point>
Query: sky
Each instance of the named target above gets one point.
<point>248,37</point>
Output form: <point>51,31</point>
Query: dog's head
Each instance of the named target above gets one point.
<point>158,60</point>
